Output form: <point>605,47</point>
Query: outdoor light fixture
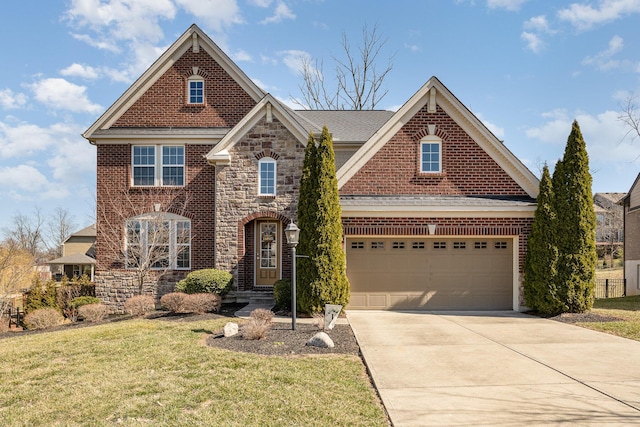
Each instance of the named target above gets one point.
<point>292,233</point>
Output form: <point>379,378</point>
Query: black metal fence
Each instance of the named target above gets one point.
<point>610,288</point>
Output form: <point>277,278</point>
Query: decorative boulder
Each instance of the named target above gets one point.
<point>321,339</point>
<point>230,329</point>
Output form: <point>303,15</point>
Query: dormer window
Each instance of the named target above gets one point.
<point>196,90</point>
<point>267,176</point>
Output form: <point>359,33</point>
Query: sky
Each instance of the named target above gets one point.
<point>526,68</point>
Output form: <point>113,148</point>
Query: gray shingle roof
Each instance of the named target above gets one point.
<point>347,126</point>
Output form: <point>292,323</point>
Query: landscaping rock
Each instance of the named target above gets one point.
<point>230,329</point>
<point>321,339</point>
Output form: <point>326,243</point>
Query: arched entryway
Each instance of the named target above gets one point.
<point>263,257</point>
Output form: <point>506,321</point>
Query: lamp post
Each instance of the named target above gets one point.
<point>292,233</point>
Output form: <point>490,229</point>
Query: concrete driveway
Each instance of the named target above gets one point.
<point>497,369</point>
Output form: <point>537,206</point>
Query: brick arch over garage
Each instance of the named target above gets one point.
<point>247,264</point>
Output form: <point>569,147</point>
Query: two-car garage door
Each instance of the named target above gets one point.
<point>430,273</point>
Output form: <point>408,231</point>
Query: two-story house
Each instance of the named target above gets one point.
<point>436,211</point>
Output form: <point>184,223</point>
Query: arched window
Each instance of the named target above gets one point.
<point>158,241</point>
<point>267,176</point>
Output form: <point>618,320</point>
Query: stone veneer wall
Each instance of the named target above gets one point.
<point>237,200</point>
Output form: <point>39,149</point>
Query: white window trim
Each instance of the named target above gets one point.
<point>190,80</point>
<point>145,220</point>
<point>158,165</point>
<point>430,139</point>
<point>262,161</point>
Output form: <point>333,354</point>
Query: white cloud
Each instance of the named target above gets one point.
<point>10,100</point>
<point>217,14</point>
<point>261,3</point>
<point>122,19</point>
<point>264,86</point>
<point>294,59</point>
<point>603,133</point>
<point>495,129</point>
<point>511,5</point>
<point>534,42</point>
<point>22,177</point>
<point>79,70</point>
<point>241,56</point>
<point>585,16</point>
<point>603,60</point>
<point>24,139</point>
<point>412,47</point>
<point>538,23</point>
<point>109,45</point>
<point>281,13</point>
<point>61,94</point>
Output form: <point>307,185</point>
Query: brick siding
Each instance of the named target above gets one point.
<point>467,169</point>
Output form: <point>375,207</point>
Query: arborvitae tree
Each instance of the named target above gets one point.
<point>331,285</point>
<point>576,225</point>
<point>540,286</point>
<point>307,214</point>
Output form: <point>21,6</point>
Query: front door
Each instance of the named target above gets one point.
<point>267,253</point>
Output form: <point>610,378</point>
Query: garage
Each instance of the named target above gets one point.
<point>430,273</point>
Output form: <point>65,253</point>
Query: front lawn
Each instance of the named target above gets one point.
<point>627,309</point>
<point>154,372</point>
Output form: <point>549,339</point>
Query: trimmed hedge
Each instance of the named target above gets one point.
<point>211,281</point>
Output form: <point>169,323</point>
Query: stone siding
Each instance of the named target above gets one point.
<point>238,202</point>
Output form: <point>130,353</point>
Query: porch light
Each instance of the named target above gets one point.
<point>292,233</point>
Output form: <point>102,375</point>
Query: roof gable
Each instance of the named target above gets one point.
<point>268,107</point>
<point>432,95</point>
<point>195,39</point>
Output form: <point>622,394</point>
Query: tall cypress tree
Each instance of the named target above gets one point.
<point>307,214</point>
<point>540,285</point>
<point>576,225</point>
<point>327,262</point>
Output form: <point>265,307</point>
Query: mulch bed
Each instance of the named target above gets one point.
<point>281,340</point>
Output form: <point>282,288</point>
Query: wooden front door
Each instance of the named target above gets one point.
<point>267,253</point>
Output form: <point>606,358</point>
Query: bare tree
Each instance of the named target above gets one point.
<point>144,232</point>
<point>28,232</point>
<point>16,272</point>
<point>630,116</point>
<point>59,227</point>
<point>358,80</point>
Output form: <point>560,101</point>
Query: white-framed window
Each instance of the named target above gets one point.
<point>195,87</point>
<point>166,169</point>
<point>267,176</point>
<point>158,241</point>
<point>431,155</point>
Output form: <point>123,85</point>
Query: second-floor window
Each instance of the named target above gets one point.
<point>267,177</point>
<point>158,165</point>
<point>196,91</point>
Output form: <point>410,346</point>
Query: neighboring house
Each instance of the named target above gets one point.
<point>610,223</point>
<point>78,255</point>
<point>631,206</point>
<point>436,211</point>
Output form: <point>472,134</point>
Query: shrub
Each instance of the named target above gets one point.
<point>210,280</point>
<point>282,294</point>
<point>139,305</point>
<point>84,300</point>
<point>93,312</point>
<point>41,295</point>
<point>43,318</point>
<point>68,291</point>
<point>174,302</point>
<point>255,329</point>
<point>262,315</point>
<point>202,303</point>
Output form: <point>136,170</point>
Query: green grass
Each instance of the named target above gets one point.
<point>626,308</point>
<point>152,372</point>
